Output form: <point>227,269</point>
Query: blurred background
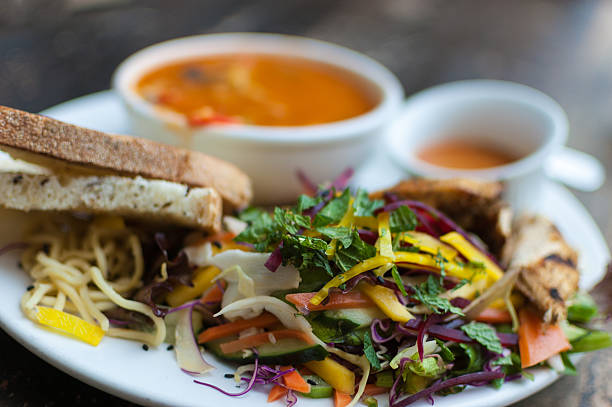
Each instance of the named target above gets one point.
<point>55,50</point>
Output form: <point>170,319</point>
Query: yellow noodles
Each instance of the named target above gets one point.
<point>85,269</point>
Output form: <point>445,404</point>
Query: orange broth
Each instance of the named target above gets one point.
<point>462,154</point>
<point>258,89</point>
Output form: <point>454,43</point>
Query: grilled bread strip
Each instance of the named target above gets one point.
<point>29,187</point>
<point>475,205</point>
<point>52,143</point>
<point>548,273</point>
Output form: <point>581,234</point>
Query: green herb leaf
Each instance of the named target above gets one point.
<point>428,367</point>
<point>468,358</point>
<point>334,210</point>
<point>364,206</point>
<point>262,231</point>
<point>582,308</point>
<point>570,369</point>
<point>306,202</point>
<point>503,361</point>
<point>340,233</point>
<point>290,222</point>
<point>427,293</point>
<point>483,334</point>
<point>398,280</point>
<point>402,220</point>
<point>370,352</point>
<point>445,352</point>
<point>346,258</point>
<point>593,340</point>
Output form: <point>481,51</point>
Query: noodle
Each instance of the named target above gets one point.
<point>84,270</point>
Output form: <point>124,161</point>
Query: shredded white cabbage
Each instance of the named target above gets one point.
<point>428,348</point>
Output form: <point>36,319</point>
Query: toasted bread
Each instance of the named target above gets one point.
<point>29,187</point>
<point>55,144</point>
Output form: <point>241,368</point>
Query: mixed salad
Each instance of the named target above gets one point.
<point>346,297</point>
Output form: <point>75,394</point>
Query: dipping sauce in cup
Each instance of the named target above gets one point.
<point>465,154</point>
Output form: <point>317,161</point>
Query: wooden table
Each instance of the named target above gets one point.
<point>55,51</point>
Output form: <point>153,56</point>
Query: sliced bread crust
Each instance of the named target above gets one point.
<point>28,187</point>
<point>34,137</point>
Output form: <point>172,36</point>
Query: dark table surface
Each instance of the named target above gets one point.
<point>52,51</point>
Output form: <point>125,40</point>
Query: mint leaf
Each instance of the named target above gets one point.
<point>483,334</point>
<point>446,354</point>
<point>262,231</point>
<point>427,293</point>
<point>402,220</point>
<point>358,251</point>
<point>289,221</point>
<point>306,202</point>
<point>370,352</point>
<point>341,233</point>
<point>364,206</point>
<point>334,210</point>
<point>398,280</point>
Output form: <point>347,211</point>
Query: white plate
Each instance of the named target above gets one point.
<point>122,367</point>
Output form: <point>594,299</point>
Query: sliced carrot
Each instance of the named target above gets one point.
<point>374,390</point>
<point>494,316</point>
<point>232,328</point>
<point>214,293</point>
<point>352,299</point>
<point>276,393</point>
<point>259,339</point>
<point>539,341</point>
<point>341,399</point>
<point>295,381</point>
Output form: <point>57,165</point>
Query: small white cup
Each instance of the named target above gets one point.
<point>515,118</point>
<point>270,155</point>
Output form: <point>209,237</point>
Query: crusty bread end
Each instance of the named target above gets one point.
<point>43,140</point>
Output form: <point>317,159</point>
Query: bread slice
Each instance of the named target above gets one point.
<point>29,187</point>
<point>52,143</point>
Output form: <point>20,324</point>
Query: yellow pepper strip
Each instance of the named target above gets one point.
<point>471,290</point>
<point>202,281</point>
<point>429,244</point>
<point>70,324</point>
<point>346,221</point>
<point>369,222</point>
<point>357,269</point>
<point>516,299</point>
<point>384,243</point>
<point>336,375</point>
<point>473,254</point>
<point>451,269</point>
<point>382,270</point>
<point>387,301</point>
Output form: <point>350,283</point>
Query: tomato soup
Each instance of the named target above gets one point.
<point>465,154</point>
<point>258,89</point>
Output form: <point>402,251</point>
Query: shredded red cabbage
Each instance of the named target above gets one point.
<point>245,391</point>
<point>466,379</point>
<point>343,179</point>
<point>445,333</point>
<point>421,336</point>
<point>309,186</point>
<point>368,236</point>
<point>275,259</point>
<point>13,246</point>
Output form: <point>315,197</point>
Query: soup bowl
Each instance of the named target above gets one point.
<point>271,155</point>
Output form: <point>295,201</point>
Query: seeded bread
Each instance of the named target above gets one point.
<point>29,187</point>
<point>55,144</point>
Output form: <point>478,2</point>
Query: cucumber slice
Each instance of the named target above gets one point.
<point>319,389</point>
<point>355,318</point>
<point>287,351</point>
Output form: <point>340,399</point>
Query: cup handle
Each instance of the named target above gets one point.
<point>575,169</point>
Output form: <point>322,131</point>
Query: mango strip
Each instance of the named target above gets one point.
<point>429,244</point>
<point>473,254</point>
<point>384,243</point>
<point>387,301</point>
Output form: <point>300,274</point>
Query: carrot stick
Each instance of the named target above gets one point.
<point>494,316</point>
<point>259,339</point>
<point>295,381</point>
<point>374,390</point>
<point>537,340</point>
<point>232,328</point>
<point>352,299</point>
<point>341,399</point>
<point>215,293</point>
<point>276,393</point>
